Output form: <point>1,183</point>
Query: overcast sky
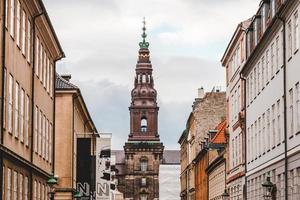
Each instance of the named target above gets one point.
<point>187,40</point>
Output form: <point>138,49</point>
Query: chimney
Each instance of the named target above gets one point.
<point>67,77</point>
<point>200,92</point>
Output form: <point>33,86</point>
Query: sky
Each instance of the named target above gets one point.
<point>187,40</point>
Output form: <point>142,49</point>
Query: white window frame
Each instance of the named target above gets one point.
<point>16,115</point>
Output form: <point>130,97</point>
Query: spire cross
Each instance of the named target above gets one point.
<point>144,44</point>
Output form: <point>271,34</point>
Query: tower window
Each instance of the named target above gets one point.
<point>143,181</point>
<point>143,196</point>
<point>144,78</point>
<point>144,165</point>
<point>144,126</point>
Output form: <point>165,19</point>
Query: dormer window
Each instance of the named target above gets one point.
<point>144,125</point>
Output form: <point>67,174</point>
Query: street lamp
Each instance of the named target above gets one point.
<point>269,189</point>
<point>51,182</point>
<point>77,195</point>
<point>225,195</point>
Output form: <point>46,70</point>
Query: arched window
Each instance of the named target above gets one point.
<point>144,125</point>
<point>144,165</point>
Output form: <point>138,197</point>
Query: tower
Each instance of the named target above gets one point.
<point>143,150</point>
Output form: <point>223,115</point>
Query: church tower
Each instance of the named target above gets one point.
<point>143,150</point>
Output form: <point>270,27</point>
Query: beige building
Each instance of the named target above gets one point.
<point>208,110</point>
<point>72,123</point>
<point>29,52</point>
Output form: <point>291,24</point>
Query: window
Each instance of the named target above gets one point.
<point>18,31</point>
<point>144,125</point>
<point>23,32</point>
<point>272,61</point>
<point>45,70</point>
<point>273,134</point>
<point>289,35</point>
<point>4,98</point>
<point>267,66</point>
<point>51,80</point>
<point>28,40</point>
<point>268,130</point>
<point>277,56</point>
<point>143,181</point>
<point>143,78</point>
<point>44,137</point>
<point>47,140</point>
<point>258,78</point>
<point>254,83</point>
<point>251,87</point>
<point>255,139</point>
<point>39,191</point>
<point>21,184</point>
<point>15,186</point>
<point>36,129</point>
<point>48,75</point>
<point>6,11</point>
<point>35,190</point>
<point>259,137</point>
<point>41,61</point>
<point>12,17</point>
<point>143,196</point>
<point>37,56</point>
<point>262,72</point>
<point>291,112</point>
<point>22,115</point>
<point>9,184</point>
<point>296,31</point>
<point>27,120</point>
<point>264,136</point>
<point>50,143</point>
<point>144,165</point>
<point>298,106</point>
<point>40,133</point>
<point>273,7</point>
<point>247,88</point>
<point>10,103</point>
<point>278,122</point>
<point>26,188</point>
<point>16,124</point>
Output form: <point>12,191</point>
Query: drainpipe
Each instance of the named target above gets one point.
<point>2,91</point>
<point>284,108</point>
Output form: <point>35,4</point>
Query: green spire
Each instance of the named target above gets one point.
<point>144,44</point>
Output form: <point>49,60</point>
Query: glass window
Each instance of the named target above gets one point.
<point>289,35</point>
<point>4,98</point>
<point>144,125</point>
<point>10,103</point>
<point>298,106</point>
<point>23,32</point>
<point>9,184</point>
<point>27,120</point>
<point>16,124</point>
<point>296,31</point>
<point>144,165</point>
<point>12,17</point>
<point>21,186</point>
<point>143,181</point>
<point>18,31</point>
<point>37,56</point>
<point>22,98</point>
<point>36,129</point>
<point>291,112</point>
<point>15,186</point>
<point>28,40</point>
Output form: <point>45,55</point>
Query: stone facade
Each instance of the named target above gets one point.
<point>208,111</point>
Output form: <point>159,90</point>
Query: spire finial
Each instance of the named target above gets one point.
<point>144,44</point>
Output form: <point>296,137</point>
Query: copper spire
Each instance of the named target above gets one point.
<point>144,44</point>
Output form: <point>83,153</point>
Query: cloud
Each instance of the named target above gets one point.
<point>187,39</point>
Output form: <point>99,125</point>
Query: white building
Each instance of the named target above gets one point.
<point>233,60</point>
<point>272,75</point>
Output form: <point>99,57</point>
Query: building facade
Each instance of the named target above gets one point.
<point>75,140</point>
<point>208,110</point>
<point>29,52</point>
<point>143,150</point>
<point>272,97</point>
<point>233,60</point>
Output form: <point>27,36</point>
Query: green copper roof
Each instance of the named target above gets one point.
<point>144,44</point>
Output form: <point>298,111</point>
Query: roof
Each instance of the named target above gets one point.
<point>170,156</point>
<point>62,84</point>
<point>220,137</point>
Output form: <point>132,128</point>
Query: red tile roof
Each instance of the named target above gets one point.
<point>220,137</point>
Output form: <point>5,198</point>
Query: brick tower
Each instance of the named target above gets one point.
<point>143,150</point>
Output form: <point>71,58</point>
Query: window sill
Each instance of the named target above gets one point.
<point>289,59</point>
<point>298,133</point>
<point>277,71</point>
<point>272,77</point>
<point>278,144</point>
<point>267,82</point>
<point>291,136</point>
<point>273,147</point>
